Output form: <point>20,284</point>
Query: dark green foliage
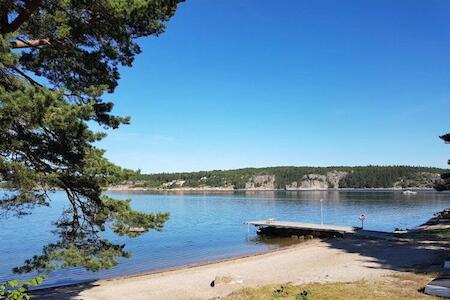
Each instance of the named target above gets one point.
<point>382,177</point>
<point>358,177</point>
<point>444,183</point>
<point>57,59</point>
<point>216,178</point>
<point>446,137</point>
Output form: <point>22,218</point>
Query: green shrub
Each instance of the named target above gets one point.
<point>15,290</point>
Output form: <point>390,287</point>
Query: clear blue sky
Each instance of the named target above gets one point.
<point>236,83</point>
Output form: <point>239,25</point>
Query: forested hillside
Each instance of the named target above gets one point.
<point>295,178</point>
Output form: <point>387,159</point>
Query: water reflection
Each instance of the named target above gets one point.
<point>273,242</point>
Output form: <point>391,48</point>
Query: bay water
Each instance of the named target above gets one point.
<point>209,226</point>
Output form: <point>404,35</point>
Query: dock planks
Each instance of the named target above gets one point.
<point>303,226</point>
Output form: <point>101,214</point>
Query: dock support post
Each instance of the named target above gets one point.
<point>321,211</point>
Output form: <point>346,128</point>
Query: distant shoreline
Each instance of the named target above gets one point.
<point>119,189</point>
<point>212,189</point>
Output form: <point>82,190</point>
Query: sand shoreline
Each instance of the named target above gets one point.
<point>334,260</point>
<point>177,268</point>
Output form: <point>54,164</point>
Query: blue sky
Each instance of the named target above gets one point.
<point>236,83</point>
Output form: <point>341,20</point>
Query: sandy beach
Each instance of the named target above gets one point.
<point>334,260</point>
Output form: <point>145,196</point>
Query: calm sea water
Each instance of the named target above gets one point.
<point>209,226</point>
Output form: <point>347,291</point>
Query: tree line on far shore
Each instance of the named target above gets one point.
<point>356,177</point>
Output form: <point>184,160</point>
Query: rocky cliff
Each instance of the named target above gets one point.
<point>317,181</point>
<point>261,182</point>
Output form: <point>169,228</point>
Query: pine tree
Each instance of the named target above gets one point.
<point>444,184</point>
<point>57,59</point>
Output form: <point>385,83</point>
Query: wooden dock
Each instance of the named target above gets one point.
<point>280,227</point>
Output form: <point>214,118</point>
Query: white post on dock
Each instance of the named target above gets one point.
<point>321,211</point>
<point>362,217</point>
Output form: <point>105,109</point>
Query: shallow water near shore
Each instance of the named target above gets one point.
<point>208,226</point>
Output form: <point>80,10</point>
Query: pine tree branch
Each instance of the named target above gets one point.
<point>4,19</point>
<point>30,7</point>
<point>30,80</point>
<point>19,43</point>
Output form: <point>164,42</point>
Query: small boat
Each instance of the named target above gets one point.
<point>408,192</point>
